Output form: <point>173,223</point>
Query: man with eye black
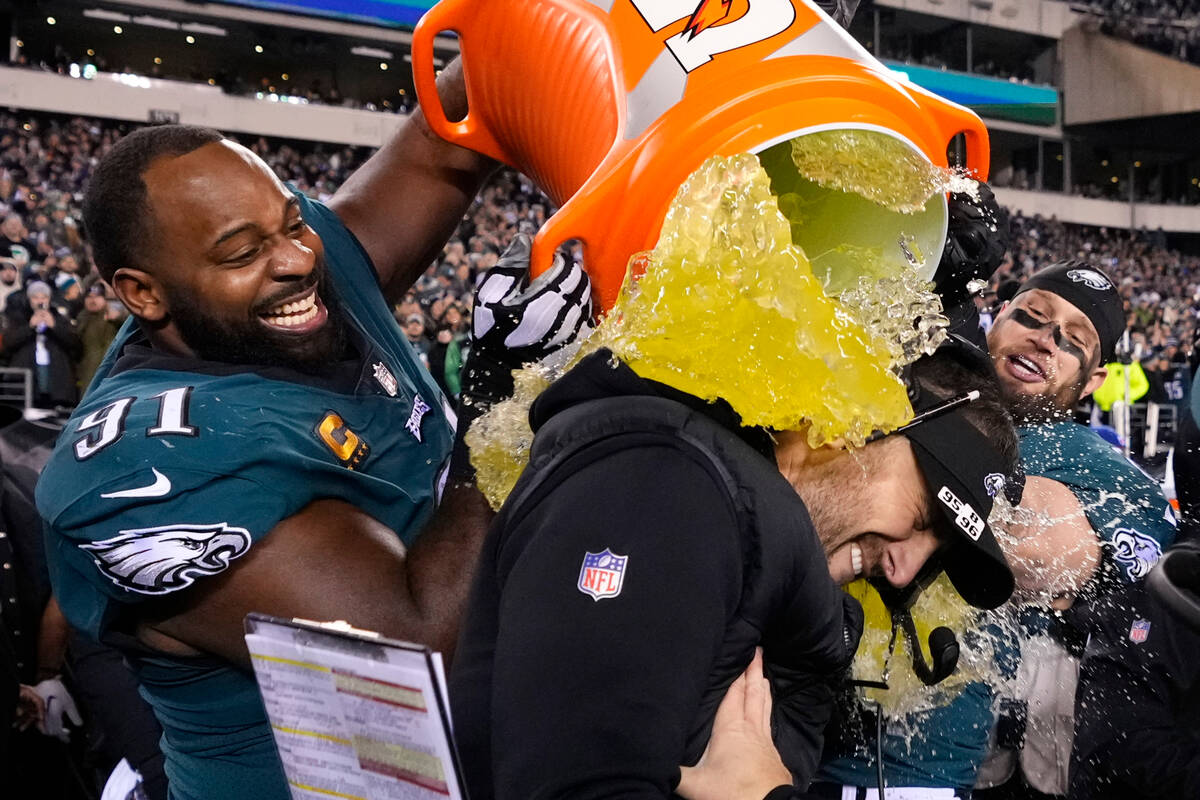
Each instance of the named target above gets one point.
<point>1090,521</point>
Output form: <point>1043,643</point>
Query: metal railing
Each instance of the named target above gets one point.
<point>1148,429</point>
<point>16,387</point>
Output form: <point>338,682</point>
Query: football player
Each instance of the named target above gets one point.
<point>260,436</point>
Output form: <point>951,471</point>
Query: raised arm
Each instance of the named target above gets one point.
<point>331,561</point>
<point>1051,545</point>
<point>406,201</point>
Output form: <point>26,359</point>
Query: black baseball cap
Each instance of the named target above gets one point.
<point>965,472</point>
<point>1092,292</point>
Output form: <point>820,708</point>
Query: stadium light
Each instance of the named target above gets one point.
<point>157,22</point>
<point>258,48</point>
<point>437,62</point>
<point>51,20</point>
<point>105,14</point>
<point>117,29</point>
<point>372,52</point>
<point>208,30</point>
<point>190,39</point>
<point>383,65</point>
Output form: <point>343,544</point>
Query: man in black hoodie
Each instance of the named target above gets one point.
<point>653,543</point>
<point>1137,734</point>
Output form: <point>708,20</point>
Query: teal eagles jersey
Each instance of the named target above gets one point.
<point>940,747</point>
<point>1124,505</point>
<point>172,468</point>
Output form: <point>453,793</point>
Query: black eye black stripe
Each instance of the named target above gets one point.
<point>1027,320</point>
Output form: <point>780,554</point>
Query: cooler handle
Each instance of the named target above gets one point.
<point>952,120</point>
<point>470,131</point>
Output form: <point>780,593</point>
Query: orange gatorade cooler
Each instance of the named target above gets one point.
<point>609,105</point>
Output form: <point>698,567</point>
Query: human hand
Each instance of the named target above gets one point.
<point>740,762</point>
<point>527,320</point>
<point>31,708</point>
<point>976,241</point>
<point>515,321</point>
<point>58,704</point>
<point>41,318</point>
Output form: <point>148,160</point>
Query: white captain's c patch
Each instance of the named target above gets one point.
<point>169,557</point>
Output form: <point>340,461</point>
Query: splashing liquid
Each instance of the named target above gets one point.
<point>728,307</point>
<point>979,634</point>
<point>882,169</point>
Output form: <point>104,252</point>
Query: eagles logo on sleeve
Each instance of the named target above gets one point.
<point>1136,552</point>
<point>168,558</point>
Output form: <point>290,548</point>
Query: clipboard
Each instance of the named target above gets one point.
<point>355,715</point>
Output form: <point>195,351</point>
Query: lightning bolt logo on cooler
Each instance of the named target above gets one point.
<point>707,14</point>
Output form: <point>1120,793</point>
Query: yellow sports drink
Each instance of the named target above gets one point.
<point>609,105</point>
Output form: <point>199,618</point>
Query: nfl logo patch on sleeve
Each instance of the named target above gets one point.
<point>1139,631</point>
<point>602,574</point>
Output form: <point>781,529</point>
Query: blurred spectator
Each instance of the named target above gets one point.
<point>17,235</point>
<point>414,329</point>
<point>97,324</point>
<point>445,362</point>
<point>9,278</point>
<point>44,342</point>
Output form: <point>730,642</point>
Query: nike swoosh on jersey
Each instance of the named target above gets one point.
<point>160,487</point>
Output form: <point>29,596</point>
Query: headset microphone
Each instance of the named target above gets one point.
<point>943,644</point>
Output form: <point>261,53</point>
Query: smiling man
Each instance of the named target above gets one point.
<point>1050,345</point>
<point>1091,520</point>
<point>261,436</point>
<point>653,543</point>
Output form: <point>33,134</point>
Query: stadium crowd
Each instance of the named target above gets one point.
<point>1167,26</point>
<point>58,317</point>
<point>46,162</point>
<point>316,91</point>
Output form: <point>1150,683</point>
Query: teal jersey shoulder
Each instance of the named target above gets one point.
<point>171,470</point>
<point>1123,504</point>
<point>941,747</point>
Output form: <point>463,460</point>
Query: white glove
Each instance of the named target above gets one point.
<point>522,321</point>
<point>59,704</point>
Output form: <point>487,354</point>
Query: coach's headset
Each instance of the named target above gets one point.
<point>943,645</point>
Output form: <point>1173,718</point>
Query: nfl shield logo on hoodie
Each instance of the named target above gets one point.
<point>602,574</point>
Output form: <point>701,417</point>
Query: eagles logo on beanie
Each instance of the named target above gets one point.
<point>1089,290</point>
